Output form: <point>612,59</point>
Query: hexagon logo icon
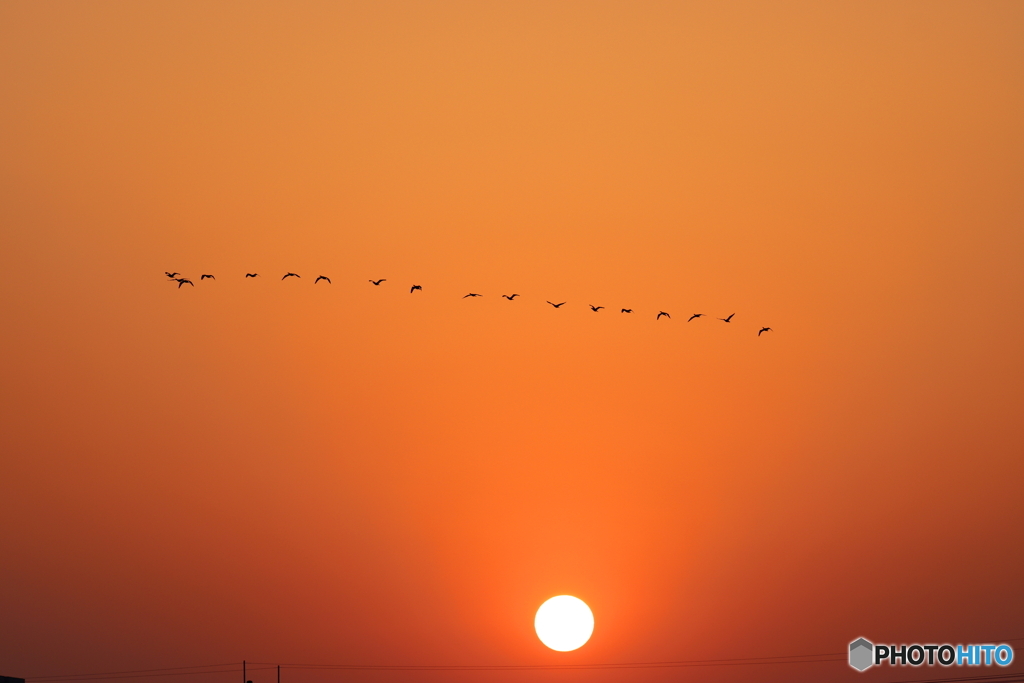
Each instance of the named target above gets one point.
<point>861,652</point>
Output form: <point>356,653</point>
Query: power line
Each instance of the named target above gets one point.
<point>734,661</point>
<point>738,661</point>
<point>814,658</point>
<point>551,667</point>
<point>993,678</point>
<point>145,673</point>
<point>136,671</point>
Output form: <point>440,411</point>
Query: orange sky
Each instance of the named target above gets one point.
<point>278,471</point>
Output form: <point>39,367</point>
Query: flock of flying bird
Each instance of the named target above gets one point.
<point>511,297</point>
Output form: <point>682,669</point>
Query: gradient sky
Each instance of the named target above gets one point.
<point>277,471</point>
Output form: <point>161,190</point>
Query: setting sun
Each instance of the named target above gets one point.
<point>564,623</point>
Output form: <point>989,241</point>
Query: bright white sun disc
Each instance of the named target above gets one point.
<point>564,623</point>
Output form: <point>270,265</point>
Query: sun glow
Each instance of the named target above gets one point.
<point>564,623</point>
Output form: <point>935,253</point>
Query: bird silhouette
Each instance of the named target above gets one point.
<point>181,281</point>
<point>203,277</point>
<point>510,298</point>
<point>472,294</point>
<point>291,275</point>
<point>627,310</point>
<point>695,315</point>
<point>663,313</point>
<point>377,282</point>
<point>322,277</point>
<point>171,275</point>
<point>594,308</point>
<point>414,288</point>
<point>729,319</point>
<point>252,274</point>
<point>764,329</point>
<point>557,305</point>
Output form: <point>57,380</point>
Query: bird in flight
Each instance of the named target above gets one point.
<point>557,305</point>
<point>322,277</point>
<point>377,282</point>
<point>414,288</point>
<point>171,275</point>
<point>729,319</point>
<point>764,329</point>
<point>472,294</point>
<point>695,315</point>
<point>627,310</point>
<point>181,281</point>
<point>594,308</point>
<point>252,274</point>
<point>203,277</point>
<point>663,313</point>
<point>291,275</point>
<point>510,298</point>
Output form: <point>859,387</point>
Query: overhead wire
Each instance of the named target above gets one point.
<point>813,658</point>
<point>235,667</point>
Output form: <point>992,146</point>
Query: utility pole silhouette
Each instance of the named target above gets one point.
<point>248,681</point>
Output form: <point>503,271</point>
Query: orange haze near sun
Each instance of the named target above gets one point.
<point>289,472</point>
